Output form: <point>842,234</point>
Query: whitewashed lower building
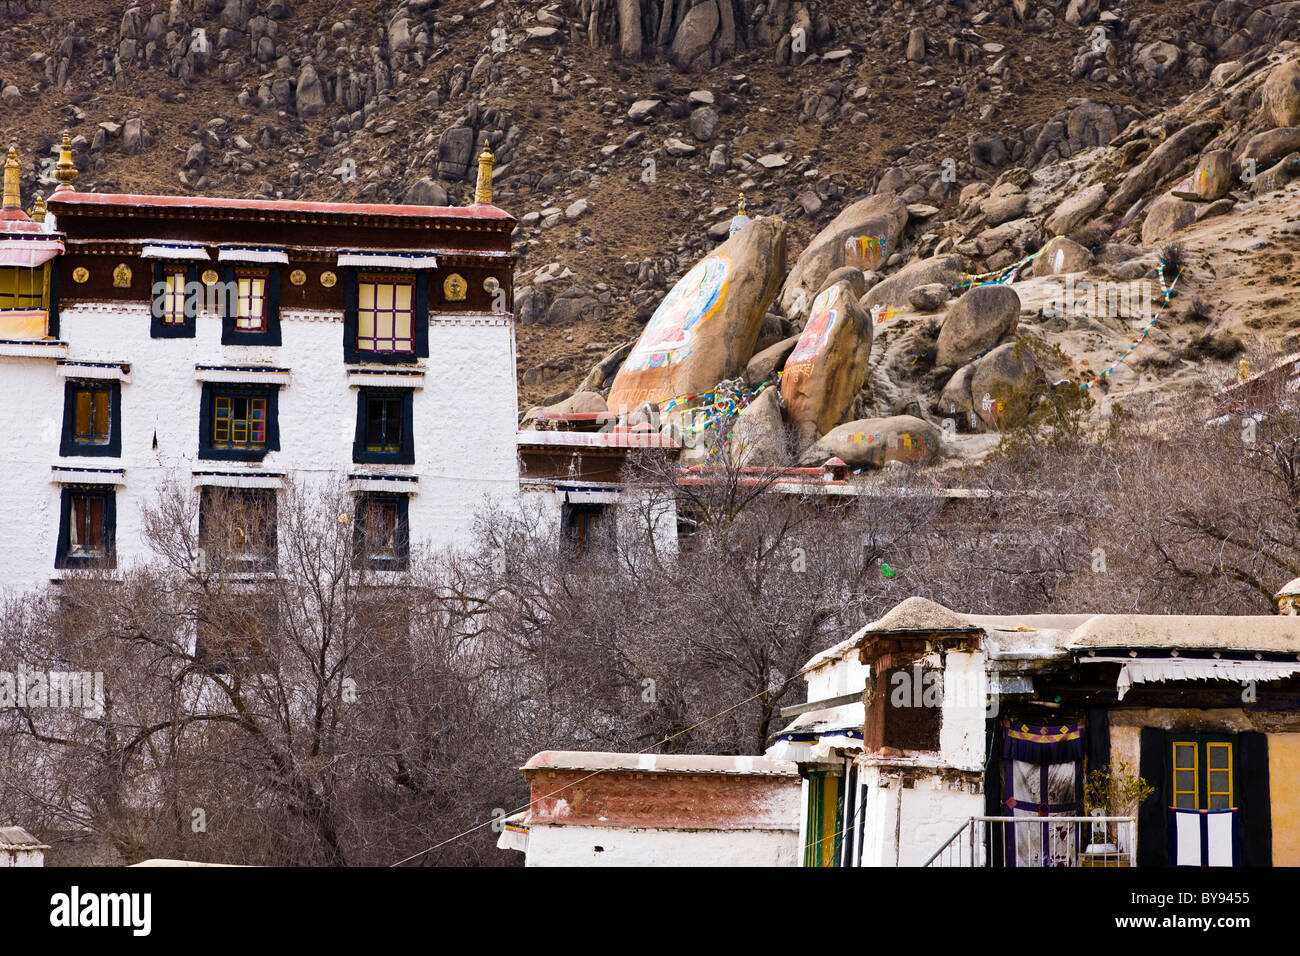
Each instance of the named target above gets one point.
<point>240,344</point>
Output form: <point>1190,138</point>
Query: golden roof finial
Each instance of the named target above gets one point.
<point>740,206</point>
<point>483,190</point>
<point>65,171</point>
<point>12,198</point>
<point>38,210</point>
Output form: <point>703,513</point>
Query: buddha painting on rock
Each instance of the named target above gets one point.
<point>818,331</point>
<point>670,334</point>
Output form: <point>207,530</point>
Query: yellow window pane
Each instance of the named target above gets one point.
<point>1185,801</point>
<point>384,296</point>
<point>1184,755</point>
<point>84,412</point>
<point>1184,781</point>
<point>101,415</point>
<point>366,325</point>
<point>403,325</point>
<point>366,295</point>
<point>403,297</point>
<point>1219,758</point>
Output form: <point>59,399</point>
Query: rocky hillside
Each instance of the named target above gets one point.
<point>625,131</point>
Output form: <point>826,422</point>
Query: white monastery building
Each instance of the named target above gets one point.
<point>232,345</point>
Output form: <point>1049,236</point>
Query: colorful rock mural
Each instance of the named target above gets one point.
<point>829,364</point>
<point>865,252</point>
<point>670,334</point>
<point>706,328</point>
<point>818,330</point>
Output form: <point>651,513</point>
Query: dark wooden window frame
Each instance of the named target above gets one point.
<point>207,417</point>
<point>63,557</point>
<point>68,444</point>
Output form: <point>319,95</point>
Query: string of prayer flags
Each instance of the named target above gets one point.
<point>1165,292</point>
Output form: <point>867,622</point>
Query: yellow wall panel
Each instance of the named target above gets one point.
<point>1284,793</point>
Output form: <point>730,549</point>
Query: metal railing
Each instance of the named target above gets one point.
<point>1040,841</point>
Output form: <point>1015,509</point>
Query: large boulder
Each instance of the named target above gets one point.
<point>1165,216</point>
<point>603,372</point>
<point>309,93</point>
<point>1213,175</point>
<point>1164,159</point>
<point>1060,256</point>
<point>1076,210</point>
<point>1267,148</point>
<point>976,323</point>
<point>425,192</point>
<point>995,376</point>
<point>765,364</point>
<point>895,291</point>
<point>1279,97</point>
<point>1091,124</point>
<point>455,151</point>
<point>759,435</point>
<point>829,365</point>
<point>705,329</point>
<point>1277,176</point>
<point>575,304</point>
<point>870,442</point>
<point>629,29</point>
<point>1004,203</point>
<point>695,34</point>
<point>861,236</point>
<point>1158,59</point>
<point>955,399</point>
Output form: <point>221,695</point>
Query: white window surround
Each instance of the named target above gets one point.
<point>68,474</point>
<point>388,260</point>
<point>113,371</point>
<point>176,252</point>
<point>253,255</point>
<point>401,484</point>
<point>215,479</point>
<point>378,378</point>
<point>242,375</point>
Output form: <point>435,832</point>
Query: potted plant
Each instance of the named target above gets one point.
<point>1112,791</point>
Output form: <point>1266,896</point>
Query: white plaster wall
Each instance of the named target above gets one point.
<point>904,826</point>
<point>847,675</point>
<point>464,423</point>
<point>31,417</point>
<point>965,706</point>
<point>576,846</point>
<point>14,858</point>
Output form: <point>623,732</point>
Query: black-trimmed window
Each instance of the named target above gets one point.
<point>237,528</point>
<point>384,433</point>
<point>1202,772</point>
<point>92,418</point>
<point>238,422</point>
<point>381,534</point>
<point>385,316</point>
<point>588,527</point>
<point>174,306</point>
<point>87,527</point>
<point>250,305</point>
